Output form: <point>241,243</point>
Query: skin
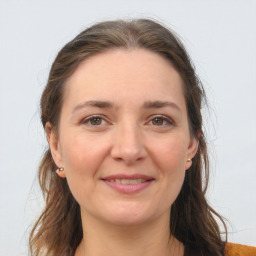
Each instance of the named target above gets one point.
<point>131,136</point>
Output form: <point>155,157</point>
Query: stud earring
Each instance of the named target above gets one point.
<point>59,170</point>
<point>189,160</point>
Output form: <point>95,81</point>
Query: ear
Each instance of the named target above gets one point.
<point>54,147</point>
<point>192,150</point>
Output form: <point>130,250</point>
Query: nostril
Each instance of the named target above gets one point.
<point>128,145</point>
<point>127,153</point>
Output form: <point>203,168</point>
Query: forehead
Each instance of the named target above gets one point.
<point>122,74</point>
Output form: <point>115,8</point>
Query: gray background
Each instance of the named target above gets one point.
<point>221,39</point>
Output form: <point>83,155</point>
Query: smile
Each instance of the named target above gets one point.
<point>127,181</point>
<point>128,184</point>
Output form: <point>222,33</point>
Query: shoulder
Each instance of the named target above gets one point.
<point>238,249</point>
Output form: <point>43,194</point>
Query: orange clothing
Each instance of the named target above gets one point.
<point>239,250</point>
<point>230,250</point>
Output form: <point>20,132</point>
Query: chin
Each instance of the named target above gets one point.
<point>128,215</point>
<point>126,220</point>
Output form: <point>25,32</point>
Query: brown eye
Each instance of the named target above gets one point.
<point>161,121</point>
<point>95,121</point>
<point>158,121</point>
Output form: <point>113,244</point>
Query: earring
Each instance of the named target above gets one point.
<point>59,170</point>
<point>189,160</point>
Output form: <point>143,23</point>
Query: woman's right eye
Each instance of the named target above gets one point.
<point>94,121</point>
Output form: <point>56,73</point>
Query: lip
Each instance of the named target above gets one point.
<point>125,176</point>
<point>128,188</point>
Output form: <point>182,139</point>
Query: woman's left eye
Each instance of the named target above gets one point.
<point>95,121</point>
<point>161,121</point>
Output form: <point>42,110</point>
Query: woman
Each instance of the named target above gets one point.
<point>122,115</point>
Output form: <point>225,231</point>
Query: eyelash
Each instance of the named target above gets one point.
<point>168,121</point>
<point>88,119</point>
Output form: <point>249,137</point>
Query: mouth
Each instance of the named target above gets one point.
<point>128,184</point>
<point>126,181</point>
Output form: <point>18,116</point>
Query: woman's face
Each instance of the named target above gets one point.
<point>124,136</point>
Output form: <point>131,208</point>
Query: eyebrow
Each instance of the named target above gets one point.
<point>93,103</point>
<point>160,104</point>
<point>107,104</point>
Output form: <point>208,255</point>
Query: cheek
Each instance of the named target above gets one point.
<point>82,157</point>
<point>170,159</point>
<point>82,152</point>
<point>171,154</point>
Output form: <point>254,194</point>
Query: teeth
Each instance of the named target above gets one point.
<point>127,181</point>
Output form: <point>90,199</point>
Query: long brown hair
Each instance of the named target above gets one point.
<point>58,231</point>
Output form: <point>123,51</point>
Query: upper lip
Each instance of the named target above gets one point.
<point>128,177</point>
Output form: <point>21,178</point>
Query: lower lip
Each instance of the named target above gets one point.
<point>128,188</point>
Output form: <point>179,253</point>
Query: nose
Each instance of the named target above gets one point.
<point>128,145</point>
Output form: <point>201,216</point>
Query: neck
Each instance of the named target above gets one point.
<point>148,239</point>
